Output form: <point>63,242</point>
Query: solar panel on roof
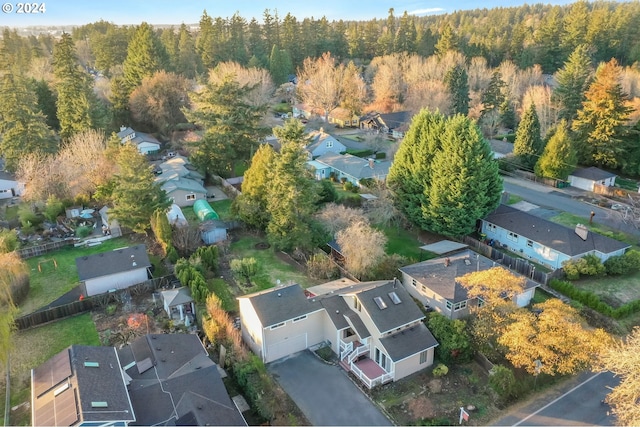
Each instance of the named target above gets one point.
<point>66,408</point>
<point>52,372</point>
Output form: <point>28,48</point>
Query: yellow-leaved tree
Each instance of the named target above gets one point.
<point>623,359</point>
<point>553,334</point>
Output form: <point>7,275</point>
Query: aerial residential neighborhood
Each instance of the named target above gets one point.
<point>320,216</point>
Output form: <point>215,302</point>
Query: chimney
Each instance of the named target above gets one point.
<point>582,231</point>
<point>371,162</point>
<point>123,128</point>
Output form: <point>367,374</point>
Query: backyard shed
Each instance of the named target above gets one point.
<point>176,217</point>
<point>213,231</point>
<point>204,211</point>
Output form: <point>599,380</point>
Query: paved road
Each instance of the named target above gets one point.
<point>324,393</point>
<point>553,200</point>
<point>578,402</point>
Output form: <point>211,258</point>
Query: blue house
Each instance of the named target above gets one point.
<point>352,168</point>
<point>546,242</point>
<point>321,143</point>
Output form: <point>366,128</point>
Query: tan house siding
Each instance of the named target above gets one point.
<point>180,197</point>
<point>251,326</point>
<point>412,364</point>
<point>331,334</point>
<point>312,326</point>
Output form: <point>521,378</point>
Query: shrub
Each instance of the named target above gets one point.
<point>381,155</point>
<point>348,186</point>
<point>53,208</point>
<point>111,309</point>
<point>172,255</point>
<point>351,202</point>
<point>360,152</point>
<point>589,265</point>
<point>502,381</point>
<point>343,180</point>
<point>440,371</point>
<point>28,217</point>
<point>326,192</point>
<point>320,266</point>
<point>8,241</point>
<point>83,231</point>
<point>208,256</point>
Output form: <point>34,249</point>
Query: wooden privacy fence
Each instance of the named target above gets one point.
<point>552,182</point>
<point>610,191</point>
<point>45,248</point>
<point>87,304</point>
<point>519,265</point>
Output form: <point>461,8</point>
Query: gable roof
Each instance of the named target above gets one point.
<point>436,275</point>
<point>550,234</point>
<point>66,388</point>
<point>408,342</point>
<point>280,304</point>
<point>181,385</point>
<point>112,262</point>
<point>394,315</point>
<point>357,167</point>
<point>320,137</point>
<point>399,120</point>
<point>592,173</point>
<point>185,184</point>
<point>177,296</point>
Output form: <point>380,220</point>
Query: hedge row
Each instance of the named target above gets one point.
<point>594,302</point>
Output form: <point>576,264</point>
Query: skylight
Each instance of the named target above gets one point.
<point>99,404</point>
<point>380,303</point>
<point>91,365</point>
<point>395,298</point>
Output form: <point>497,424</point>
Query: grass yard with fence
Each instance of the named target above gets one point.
<point>53,274</point>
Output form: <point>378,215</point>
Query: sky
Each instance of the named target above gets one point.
<point>126,12</point>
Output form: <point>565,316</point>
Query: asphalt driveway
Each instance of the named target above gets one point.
<point>324,393</point>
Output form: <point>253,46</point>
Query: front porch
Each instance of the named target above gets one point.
<point>356,360</point>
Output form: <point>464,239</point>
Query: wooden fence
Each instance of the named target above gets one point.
<point>76,307</point>
<point>35,251</point>
<point>552,182</point>
<point>609,191</point>
<point>519,265</point>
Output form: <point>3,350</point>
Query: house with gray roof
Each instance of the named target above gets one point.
<point>587,178</point>
<point>544,241</point>
<point>111,270</point>
<point>320,142</point>
<point>375,328</point>
<point>394,124</point>
<point>145,143</point>
<point>81,385</point>
<point>181,181</point>
<point>350,167</point>
<point>9,185</point>
<point>172,381</point>
<point>435,283</point>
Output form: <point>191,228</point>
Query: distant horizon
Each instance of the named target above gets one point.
<point>61,13</point>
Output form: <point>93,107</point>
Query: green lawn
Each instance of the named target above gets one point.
<point>404,242</point>
<point>271,268</point>
<point>344,194</point>
<point>33,347</point>
<point>513,199</point>
<point>570,220</point>
<point>51,282</point>
<point>222,291</point>
<point>627,184</point>
<point>622,288</point>
<point>540,296</point>
<point>222,208</point>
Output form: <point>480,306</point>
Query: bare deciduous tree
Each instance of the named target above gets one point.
<point>336,217</point>
<point>382,210</point>
<point>258,78</point>
<point>388,84</point>
<point>362,247</point>
<point>321,83</point>
<point>540,96</point>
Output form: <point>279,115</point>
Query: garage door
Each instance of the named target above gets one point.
<point>286,347</point>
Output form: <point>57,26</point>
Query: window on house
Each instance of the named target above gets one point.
<point>424,288</point>
<point>480,302</point>
<point>297,319</point>
<point>356,304</point>
<point>459,305</point>
<point>449,305</point>
<point>512,236</point>
<point>277,325</point>
<point>530,243</point>
<point>491,227</point>
<point>414,283</point>
<point>191,197</point>
<point>329,144</point>
<point>423,356</point>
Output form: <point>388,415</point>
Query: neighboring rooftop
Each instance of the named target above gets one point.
<point>550,234</point>
<point>280,304</point>
<point>592,173</point>
<point>112,262</point>
<point>408,342</point>
<point>357,167</point>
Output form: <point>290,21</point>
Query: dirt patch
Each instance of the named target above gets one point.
<point>262,246</point>
<point>426,237</point>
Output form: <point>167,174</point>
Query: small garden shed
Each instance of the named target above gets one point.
<point>213,231</point>
<point>204,211</point>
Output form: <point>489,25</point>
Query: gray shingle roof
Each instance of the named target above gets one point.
<point>282,303</point>
<point>184,376</point>
<point>178,296</point>
<point>550,234</point>
<point>408,342</point>
<point>319,138</point>
<point>394,315</point>
<point>355,166</point>
<point>441,279</point>
<point>185,184</point>
<point>111,262</point>
<point>593,173</point>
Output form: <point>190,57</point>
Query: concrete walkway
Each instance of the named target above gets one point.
<point>324,393</point>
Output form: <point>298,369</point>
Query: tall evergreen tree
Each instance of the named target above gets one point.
<point>407,35</point>
<point>136,195</point>
<point>205,41</point>
<point>251,205</point>
<point>493,96</point>
<point>601,122</point>
<point>188,64</point>
<point>145,56</point>
<point>465,184</point>
<point>74,90</point>
<point>410,173</point>
<point>457,82</point>
<point>528,145</point>
<point>23,127</point>
<point>292,200</point>
<point>46,102</point>
<point>447,41</point>
<point>559,157</point>
<point>232,126</point>
<point>280,65</point>
<point>507,115</point>
<point>573,80</point>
